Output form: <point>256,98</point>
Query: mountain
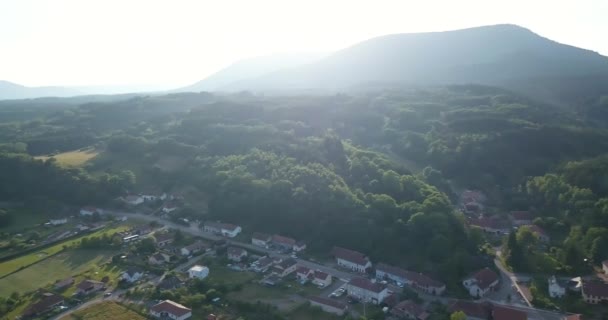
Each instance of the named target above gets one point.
<point>251,68</point>
<point>495,55</point>
<point>9,90</point>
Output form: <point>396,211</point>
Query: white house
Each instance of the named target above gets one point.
<point>415,280</point>
<point>133,199</point>
<point>321,278</point>
<point>57,222</point>
<point>236,254</point>
<point>285,267</point>
<point>170,310</point>
<point>351,259</point>
<point>481,282</point>
<point>193,248</point>
<point>299,246</point>
<point>556,290</point>
<point>132,275</point>
<point>261,239</point>
<point>88,211</point>
<point>198,271</point>
<point>367,291</point>
<point>169,207</point>
<point>225,229</point>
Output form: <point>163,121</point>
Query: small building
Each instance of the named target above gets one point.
<point>284,243</point>
<point>159,258</point>
<point>170,282</point>
<point>194,248</point>
<point>236,254</point>
<point>262,264</point>
<point>350,259</point>
<point>62,284</point>
<point>261,239</point>
<point>169,207</point>
<point>89,286</point>
<point>163,239</point>
<point>321,278</point>
<point>57,222</point>
<point>224,229</point>
<point>88,211</point>
<point>506,313</point>
<point>481,282</point>
<point>365,290</point>
<point>329,305</point>
<point>133,199</point>
<point>170,310</point>
<point>132,274</point>
<point>520,218</point>
<point>304,274</point>
<point>594,292</point>
<point>473,310</point>
<point>415,280</point>
<point>408,309</point>
<point>299,246</point>
<point>285,267</point>
<point>198,271</point>
<point>556,289</point>
<point>47,302</point>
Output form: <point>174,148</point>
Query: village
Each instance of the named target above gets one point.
<point>349,284</point>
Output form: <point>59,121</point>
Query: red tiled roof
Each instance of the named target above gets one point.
<point>283,240</point>
<point>504,313</point>
<point>409,307</point>
<point>366,285</point>
<point>471,309</point>
<point>261,236</point>
<point>574,317</point>
<point>484,277</point>
<point>419,279</point>
<point>321,275</point>
<point>303,270</point>
<point>328,302</point>
<point>521,215</point>
<point>350,255</point>
<point>171,307</point>
<point>229,226</point>
<point>595,289</point>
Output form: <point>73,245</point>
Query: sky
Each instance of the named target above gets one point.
<point>178,42</point>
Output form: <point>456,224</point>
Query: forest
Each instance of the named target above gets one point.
<point>378,171</point>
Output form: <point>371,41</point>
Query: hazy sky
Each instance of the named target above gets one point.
<point>95,42</point>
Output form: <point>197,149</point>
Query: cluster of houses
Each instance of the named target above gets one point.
<point>170,200</point>
<point>223,229</point>
<point>282,243</point>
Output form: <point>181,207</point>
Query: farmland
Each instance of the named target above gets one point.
<point>103,311</point>
<point>72,159</point>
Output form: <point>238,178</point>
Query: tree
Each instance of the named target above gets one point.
<point>458,315</point>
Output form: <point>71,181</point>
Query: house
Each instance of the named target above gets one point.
<point>473,310</point>
<point>491,225</point>
<point>271,280</point>
<point>159,258</point>
<point>408,309</point>
<point>170,282</point>
<point>262,264</point>
<point>57,222</point>
<point>556,289</point>
<point>236,254</point>
<point>365,290</point>
<point>261,239</point>
<point>594,292</point>
<point>198,271</point>
<point>605,266</point>
<point>88,211</point>
<point>285,267</point>
<point>169,207</point>
<point>170,310</point>
<point>351,259</point>
<point>539,233</point>
<point>60,285</point>
<point>132,274</point>
<point>520,218</point>
<point>89,286</point>
<point>133,200</point>
<point>47,302</point>
<point>328,305</point>
<point>304,274</point>
<point>321,279</point>
<point>415,280</point>
<point>299,246</point>
<point>194,248</point>
<point>284,243</point>
<point>225,229</point>
<point>481,282</point>
<point>163,239</point>
<point>506,313</point>
<point>143,230</point>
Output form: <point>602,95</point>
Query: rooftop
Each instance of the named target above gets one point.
<point>505,313</point>
<point>350,255</point>
<point>367,285</point>
<point>197,268</point>
<point>484,278</point>
<point>171,307</point>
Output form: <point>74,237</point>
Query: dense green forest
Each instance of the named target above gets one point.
<point>376,171</point>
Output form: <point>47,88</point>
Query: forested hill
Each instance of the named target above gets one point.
<point>327,169</point>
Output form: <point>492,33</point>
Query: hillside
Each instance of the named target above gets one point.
<point>9,90</point>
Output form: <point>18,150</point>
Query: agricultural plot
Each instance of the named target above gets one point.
<point>104,311</point>
<point>72,158</point>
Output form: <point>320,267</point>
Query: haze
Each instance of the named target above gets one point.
<point>171,43</point>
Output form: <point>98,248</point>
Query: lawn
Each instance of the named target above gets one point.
<point>105,311</point>
<point>254,292</point>
<point>72,158</point>
<point>26,260</point>
<point>57,267</point>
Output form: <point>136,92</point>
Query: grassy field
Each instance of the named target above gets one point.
<point>26,260</point>
<point>58,267</point>
<point>105,311</point>
<point>72,158</point>
<point>23,219</point>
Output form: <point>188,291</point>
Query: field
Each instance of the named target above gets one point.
<point>105,311</point>
<point>72,158</point>
<point>58,267</point>
<point>26,260</point>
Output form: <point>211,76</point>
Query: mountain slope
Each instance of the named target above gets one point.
<point>487,55</point>
<point>9,90</point>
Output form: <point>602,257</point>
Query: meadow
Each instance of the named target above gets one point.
<point>104,311</point>
<point>72,159</point>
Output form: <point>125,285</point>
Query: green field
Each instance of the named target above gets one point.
<point>72,158</point>
<point>58,267</point>
<point>105,311</point>
<point>26,260</point>
<point>23,219</point>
